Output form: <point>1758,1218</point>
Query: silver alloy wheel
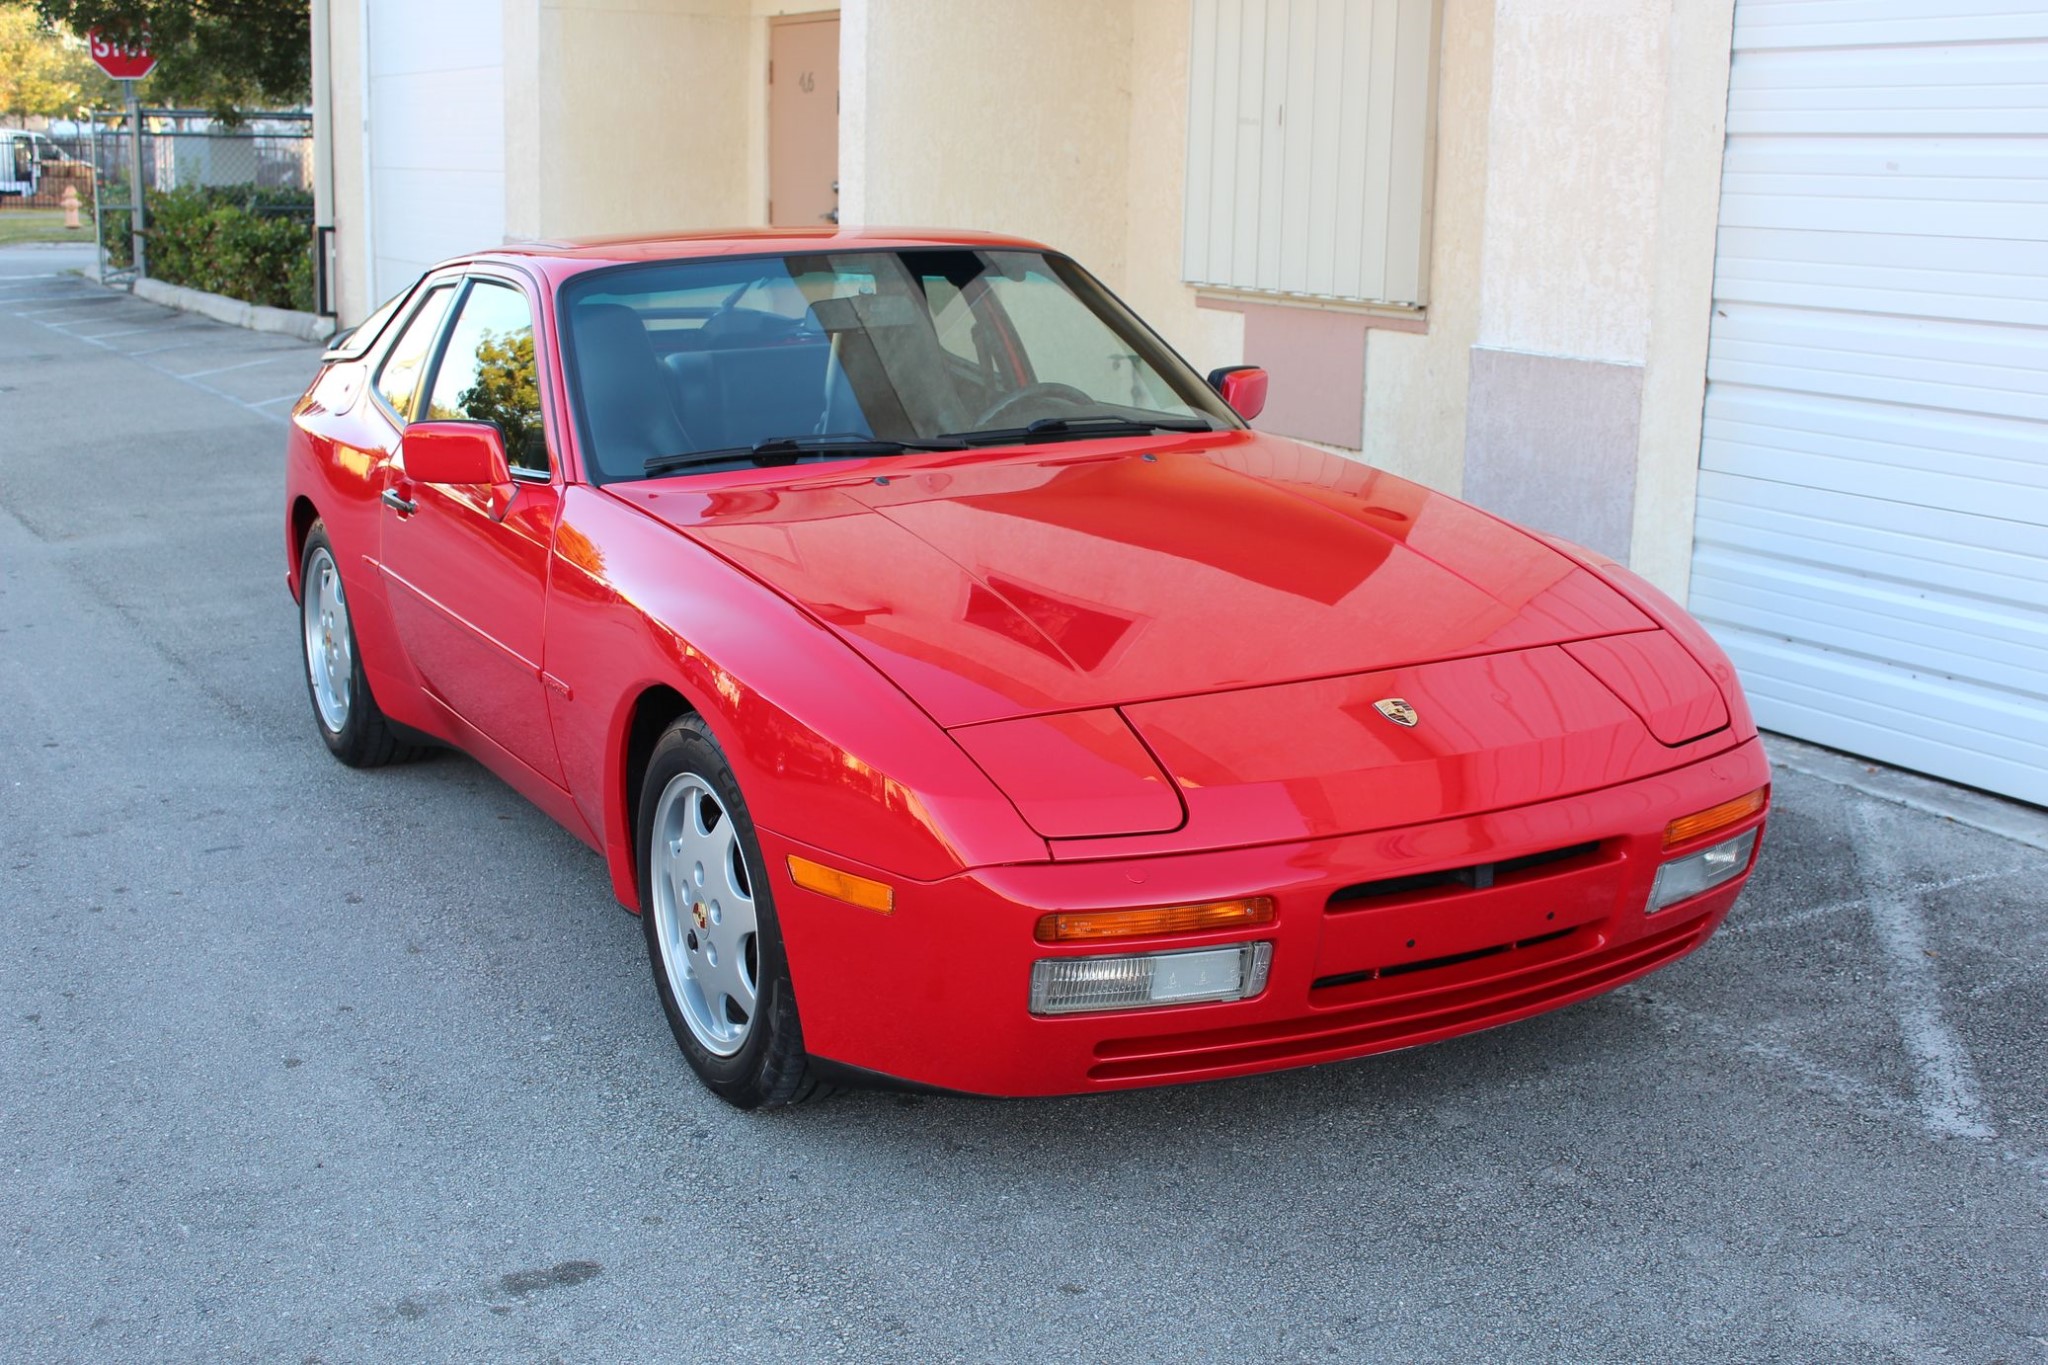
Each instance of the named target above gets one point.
<point>330,649</point>
<point>704,913</point>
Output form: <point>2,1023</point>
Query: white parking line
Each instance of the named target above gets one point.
<point>131,331</point>
<point>74,301</point>
<point>1765,1040</point>
<point>184,345</point>
<point>140,309</point>
<point>1736,927</point>
<point>1768,1043</point>
<point>165,371</point>
<point>1945,1077</point>
<point>244,365</point>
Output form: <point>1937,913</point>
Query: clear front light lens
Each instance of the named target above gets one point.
<point>1703,871</point>
<point>1074,985</point>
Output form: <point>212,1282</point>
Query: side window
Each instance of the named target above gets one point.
<point>487,373</point>
<point>398,378</point>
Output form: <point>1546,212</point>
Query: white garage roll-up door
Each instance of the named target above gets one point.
<point>436,111</point>
<point>1873,515</point>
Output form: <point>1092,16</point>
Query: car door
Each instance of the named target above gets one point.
<point>466,565</point>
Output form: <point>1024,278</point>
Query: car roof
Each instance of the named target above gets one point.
<point>572,255</point>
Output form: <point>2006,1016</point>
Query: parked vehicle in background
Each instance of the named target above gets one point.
<point>27,158</point>
<point>964,694</point>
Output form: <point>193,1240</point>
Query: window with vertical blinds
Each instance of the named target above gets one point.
<point>1309,125</point>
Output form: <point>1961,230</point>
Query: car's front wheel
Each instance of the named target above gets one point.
<point>350,722</point>
<point>711,930</point>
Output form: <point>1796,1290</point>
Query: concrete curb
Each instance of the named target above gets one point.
<point>235,313</point>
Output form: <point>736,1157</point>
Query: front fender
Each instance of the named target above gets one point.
<point>827,750</point>
<point>1654,603</point>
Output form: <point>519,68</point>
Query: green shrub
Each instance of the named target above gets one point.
<point>247,243</point>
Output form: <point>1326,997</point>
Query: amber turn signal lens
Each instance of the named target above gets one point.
<point>1070,926</point>
<point>842,886</point>
<point>1688,828</point>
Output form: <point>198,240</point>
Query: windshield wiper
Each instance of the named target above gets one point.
<point>782,450</point>
<point>1108,424</point>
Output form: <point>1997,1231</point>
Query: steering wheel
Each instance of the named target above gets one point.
<point>1066,393</point>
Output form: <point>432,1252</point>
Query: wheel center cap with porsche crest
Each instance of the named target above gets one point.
<point>699,916</point>
<point>1397,711</point>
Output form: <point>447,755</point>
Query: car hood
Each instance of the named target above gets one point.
<point>992,586</point>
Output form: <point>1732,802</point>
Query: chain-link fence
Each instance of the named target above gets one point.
<point>227,210</point>
<point>36,168</point>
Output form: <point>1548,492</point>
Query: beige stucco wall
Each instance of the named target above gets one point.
<point>1694,131</point>
<point>1573,155</point>
<point>1157,162</point>
<point>1062,120</point>
<point>1591,200</point>
<point>1415,383</point>
<point>635,114</point>
<point>1004,117</point>
<point>526,103</point>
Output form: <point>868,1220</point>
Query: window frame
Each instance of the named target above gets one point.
<point>356,342</point>
<point>395,332</point>
<point>431,373</point>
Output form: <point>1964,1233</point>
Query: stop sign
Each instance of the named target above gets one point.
<point>124,58</point>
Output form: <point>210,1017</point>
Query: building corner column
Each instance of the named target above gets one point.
<point>324,244</point>
<point>853,113</point>
<point>523,121</point>
<point>1701,37</point>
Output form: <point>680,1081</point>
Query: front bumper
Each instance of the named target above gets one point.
<point>936,993</point>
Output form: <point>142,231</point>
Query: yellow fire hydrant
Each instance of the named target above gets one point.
<point>70,203</point>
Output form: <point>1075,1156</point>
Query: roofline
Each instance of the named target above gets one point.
<point>743,241</point>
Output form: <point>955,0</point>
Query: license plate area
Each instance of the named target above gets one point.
<point>1408,930</point>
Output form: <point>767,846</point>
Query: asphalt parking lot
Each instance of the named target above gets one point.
<point>300,1063</point>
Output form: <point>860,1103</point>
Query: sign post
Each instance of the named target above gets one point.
<point>128,60</point>
<point>135,178</point>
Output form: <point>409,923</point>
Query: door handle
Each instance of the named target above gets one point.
<point>403,506</point>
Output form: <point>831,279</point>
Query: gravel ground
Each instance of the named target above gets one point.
<point>299,1063</point>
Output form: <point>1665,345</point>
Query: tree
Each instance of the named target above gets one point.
<point>506,391</point>
<point>221,55</point>
<point>44,72</point>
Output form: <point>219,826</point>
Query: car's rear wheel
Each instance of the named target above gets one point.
<point>712,936</point>
<point>354,729</point>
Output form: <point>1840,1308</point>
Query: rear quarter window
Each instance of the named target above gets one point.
<point>398,378</point>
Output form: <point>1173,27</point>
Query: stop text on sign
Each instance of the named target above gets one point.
<point>125,57</point>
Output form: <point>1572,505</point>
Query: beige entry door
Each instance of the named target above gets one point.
<point>803,121</point>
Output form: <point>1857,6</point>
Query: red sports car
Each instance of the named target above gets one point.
<point>965,697</point>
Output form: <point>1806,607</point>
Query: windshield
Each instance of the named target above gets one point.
<point>725,362</point>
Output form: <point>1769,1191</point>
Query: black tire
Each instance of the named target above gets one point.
<point>365,738</point>
<point>769,1068</point>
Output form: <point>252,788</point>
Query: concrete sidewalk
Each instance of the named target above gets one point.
<point>300,1063</point>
